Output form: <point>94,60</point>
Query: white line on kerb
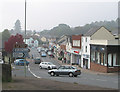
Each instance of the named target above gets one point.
<point>33,73</point>
<point>101,80</point>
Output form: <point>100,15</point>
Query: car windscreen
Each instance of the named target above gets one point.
<point>50,64</point>
<point>73,67</point>
<point>22,60</point>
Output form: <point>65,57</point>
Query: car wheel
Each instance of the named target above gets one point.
<point>70,74</point>
<point>40,67</point>
<point>49,68</point>
<point>52,73</point>
<point>75,75</point>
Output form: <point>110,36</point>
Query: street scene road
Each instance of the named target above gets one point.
<point>85,78</point>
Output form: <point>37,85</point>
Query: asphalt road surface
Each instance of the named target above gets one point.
<point>105,81</point>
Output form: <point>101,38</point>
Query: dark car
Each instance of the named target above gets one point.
<point>65,70</point>
<point>37,60</point>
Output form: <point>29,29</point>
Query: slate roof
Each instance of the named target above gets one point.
<point>92,31</point>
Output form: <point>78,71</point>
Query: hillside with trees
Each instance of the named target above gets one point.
<point>64,29</point>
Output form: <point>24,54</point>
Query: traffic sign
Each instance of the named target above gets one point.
<point>21,50</point>
<point>20,54</point>
<point>21,45</point>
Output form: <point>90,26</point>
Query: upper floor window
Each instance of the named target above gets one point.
<point>86,39</point>
<point>76,43</point>
<point>85,48</point>
<point>82,39</point>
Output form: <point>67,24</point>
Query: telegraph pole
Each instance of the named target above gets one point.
<point>25,21</point>
<point>25,37</point>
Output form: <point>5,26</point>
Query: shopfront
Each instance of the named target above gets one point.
<point>104,58</point>
<point>76,57</point>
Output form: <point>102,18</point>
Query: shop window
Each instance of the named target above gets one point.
<point>118,59</point>
<point>102,58</point>
<point>109,59</point>
<point>98,57</point>
<point>105,62</point>
<point>93,56</point>
<point>114,60</point>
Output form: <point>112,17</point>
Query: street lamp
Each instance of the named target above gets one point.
<point>25,38</point>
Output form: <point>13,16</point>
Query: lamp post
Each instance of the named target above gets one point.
<point>25,38</point>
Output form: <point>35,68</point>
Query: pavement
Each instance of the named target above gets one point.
<point>30,83</point>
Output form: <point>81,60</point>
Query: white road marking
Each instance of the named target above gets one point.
<point>33,73</point>
<point>101,80</point>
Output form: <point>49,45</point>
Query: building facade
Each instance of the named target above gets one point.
<point>76,50</point>
<point>85,57</point>
<point>31,42</point>
<point>104,51</point>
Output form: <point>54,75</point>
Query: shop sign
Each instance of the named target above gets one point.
<point>77,52</point>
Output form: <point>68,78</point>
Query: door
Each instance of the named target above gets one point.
<point>86,61</point>
<point>60,70</point>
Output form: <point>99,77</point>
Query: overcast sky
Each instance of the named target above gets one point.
<point>46,14</point>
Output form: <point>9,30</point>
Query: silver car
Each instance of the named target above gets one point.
<point>65,70</point>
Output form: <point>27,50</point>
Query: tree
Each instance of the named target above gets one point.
<point>5,36</point>
<point>17,27</point>
<point>12,41</point>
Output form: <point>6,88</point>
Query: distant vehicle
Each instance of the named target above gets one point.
<point>1,61</point>
<point>65,70</point>
<point>37,60</point>
<point>21,62</point>
<point>47,65</point>
<point>43,54</point>
<point>49,53</point>
<point>39,49</point>
<point>46,50</point>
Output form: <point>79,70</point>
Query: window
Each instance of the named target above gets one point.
<point>82,39</point>
<point>102,58</point>
<point>93,56</point>
<point>109,59</point>
<point>114,59</point>
<point>86,39</point>
<point>97,57</point>
<point>118,59</point>
<point>61,67</point>
<point>86,48</point>
<point>76,43</point>
<point>105,62</point>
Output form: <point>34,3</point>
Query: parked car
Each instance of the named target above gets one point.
<point>59,58</point>
<point>50,54</point>
<point>37,60</point>
<point>65,70</point>
<point>43,54</point>
<point>1,61</point>
<point>47,65</point>
<point>21,62</point>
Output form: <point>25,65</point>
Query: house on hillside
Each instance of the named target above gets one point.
<point>43,39</point>
<point>31,42</point>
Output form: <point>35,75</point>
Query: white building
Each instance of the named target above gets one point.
<point>31,42</point>
<point>85,57</point>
